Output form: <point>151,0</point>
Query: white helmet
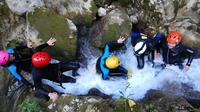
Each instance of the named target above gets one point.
<point>140,48</point>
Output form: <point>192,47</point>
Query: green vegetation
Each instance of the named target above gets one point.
<point>29,105</point>
<point>150,108</point>
<point>111,34</point>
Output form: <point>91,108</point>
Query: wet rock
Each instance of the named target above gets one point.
<point>57,5</point>
<point>79,11</point>
<point>110,27</point>
<point>134,19</point>
<point>101,12</point>
<point>57,26</point>
<point>20,35</point>
<point>22,6</point>
<point>183,90</point>
<point>7,19</point>
<point>165,102</point>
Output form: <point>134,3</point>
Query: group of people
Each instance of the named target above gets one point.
<point>37,62</point>
<point>170,48</point>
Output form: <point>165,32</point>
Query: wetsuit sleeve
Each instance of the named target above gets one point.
<point>41,47</point>
<point>113,45</point>
<point>38,84</point>
<point>135,36</point>
<point>191,53</point>
<point>21,47</point>
<point>157,41</point>
<point>12,70</point>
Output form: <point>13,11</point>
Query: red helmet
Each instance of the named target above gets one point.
<point>40,59</point>
<point>174,38</point>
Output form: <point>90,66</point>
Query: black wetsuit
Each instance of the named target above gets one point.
<point>119,71</point>
<point>53,72</point>
<point>153,44</point>
<point>174,55</point>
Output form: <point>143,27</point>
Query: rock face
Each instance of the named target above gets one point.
<point>22,6</point>
<point>115,24</point>
<point>79,11</point>
<point>55,25</point>
<point>156,100</point>
<point>7,19</point>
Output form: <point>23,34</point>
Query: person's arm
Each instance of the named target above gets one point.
<point>157,42</point>
<point>12,70</point>
<point>40,47</point>
<point>191,53</point>
<point>134,38</point>
<point>116,45</point>
<point>50,42</point>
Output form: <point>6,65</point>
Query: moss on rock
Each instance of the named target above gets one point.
<point>48,23</point>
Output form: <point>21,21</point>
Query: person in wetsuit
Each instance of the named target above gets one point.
<point>19,59</point>
<point>173,50</point>
<point>145,46</point>
<point>108,65</point>
<point>43,69</point>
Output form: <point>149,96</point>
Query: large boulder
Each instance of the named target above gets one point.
<point>49,23</point>
<point>23,6</point>
<point>110,27</point>
<point>162,102</point>
<point>41,25</point>
<point>79,11</point>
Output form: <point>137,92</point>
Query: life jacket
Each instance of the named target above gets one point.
<point>105,71</point>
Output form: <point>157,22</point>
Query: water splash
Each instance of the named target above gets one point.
<point>138,85</point>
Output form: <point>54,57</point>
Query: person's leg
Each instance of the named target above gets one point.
<point>120,71</point>
<point>140,61</point>
<point>65,79</point>
<point>180,66</point>
<point>74,66</point>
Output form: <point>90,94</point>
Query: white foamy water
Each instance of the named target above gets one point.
<point>136,86</point>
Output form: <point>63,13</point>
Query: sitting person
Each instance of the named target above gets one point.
<point>43,69</point>
<point>109,65</point>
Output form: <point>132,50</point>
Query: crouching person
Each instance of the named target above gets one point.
<point>43,69</point>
